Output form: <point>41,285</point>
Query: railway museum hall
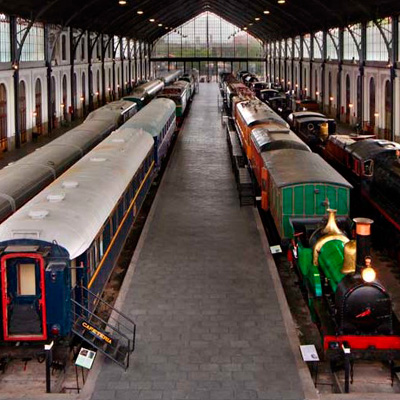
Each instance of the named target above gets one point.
<point>200,199</point>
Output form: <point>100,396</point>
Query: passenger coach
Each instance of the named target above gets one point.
<point>71,233</point>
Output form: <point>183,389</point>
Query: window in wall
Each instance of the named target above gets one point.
<point>318,44</point>
<point>351,35</point>
<point>125,47</point>
<point>283,49</point>
<point>307,46</point>
<point>33,48</point>
<point>289,47</point>
<point>208,35</point>
<point>63,47</point>
<point>115,44</point>
<point>296,47</point>
<point>83,43</point>
<point>5,41</point>
<point>376,47</point>
<point>332,44</point>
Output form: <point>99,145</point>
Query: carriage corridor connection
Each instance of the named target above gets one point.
<point>210,322</point>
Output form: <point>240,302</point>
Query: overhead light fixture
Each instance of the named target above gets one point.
<point>121,2</point>
<point>159,24</point>
<point>152,20</point>
<point>245,28</point>
<point>140,12</point>
<point>166,27</point>
<point>281,1</point>
<point>250,24</point>
<point>266,12</point>
<point>257,19</point>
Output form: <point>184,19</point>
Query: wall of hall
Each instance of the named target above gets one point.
<point>116,76</point>
<point>320,81</point>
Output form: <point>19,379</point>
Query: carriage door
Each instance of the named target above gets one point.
<point>23,297</point>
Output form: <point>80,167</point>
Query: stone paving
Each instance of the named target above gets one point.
<point>209,325</point>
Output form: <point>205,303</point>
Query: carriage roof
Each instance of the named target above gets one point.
<point>153,117</point>
<point>255,112</point>
<point>370,148</point>
<point>290,167</point>
<point>276,137</point>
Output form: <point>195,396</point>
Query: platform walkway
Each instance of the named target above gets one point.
<point>209,323</point>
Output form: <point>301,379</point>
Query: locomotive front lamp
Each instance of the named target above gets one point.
<point>368,274</point>
<point>376,115</point>
<point>317,93</point>
<point>351,105</point>
<point>331,98</point>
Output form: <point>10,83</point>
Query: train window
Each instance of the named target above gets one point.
<point>368,168</point>
<point>121,210</point>
<point>107,234</point>
<point>96,252</point>
<point>101,246</point>
<point>115,221</point>
<point>26,280</point>
<point>91,261</point>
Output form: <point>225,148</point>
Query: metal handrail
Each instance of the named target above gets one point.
<point>113,347</point>
<point>111,307</point>
<point>131,342</point>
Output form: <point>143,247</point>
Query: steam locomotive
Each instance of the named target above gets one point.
<point>350,305</point>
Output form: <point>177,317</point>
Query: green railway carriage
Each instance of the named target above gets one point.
<point>299,186</point>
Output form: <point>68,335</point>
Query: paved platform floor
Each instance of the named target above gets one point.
<point>209,325</point>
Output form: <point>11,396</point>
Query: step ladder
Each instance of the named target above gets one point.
<point>102,326</point>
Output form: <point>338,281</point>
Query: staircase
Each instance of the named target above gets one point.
<point>103,327</point>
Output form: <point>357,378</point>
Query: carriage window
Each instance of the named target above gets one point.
<point>106,235</point>
<point>91,261</point>
<point>121,210</point>
<point>96,252</point>
<point>114,222</point>
<point>101,246</point>
<point>26,280</point>
<point>368,168</point>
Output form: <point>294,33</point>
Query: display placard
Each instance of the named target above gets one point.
<point>309,353</point>
<point>85,358</point>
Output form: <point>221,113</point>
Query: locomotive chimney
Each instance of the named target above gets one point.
<point>363,231</point>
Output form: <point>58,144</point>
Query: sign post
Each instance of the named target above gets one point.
<point>48,348</point>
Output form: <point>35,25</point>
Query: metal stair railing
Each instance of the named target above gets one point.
<point>123,332</point>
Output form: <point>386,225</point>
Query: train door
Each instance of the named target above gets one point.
<point>23,297</point>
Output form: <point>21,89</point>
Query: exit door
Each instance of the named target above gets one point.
<point>23,297</point>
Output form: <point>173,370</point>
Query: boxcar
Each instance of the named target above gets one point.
<point>271,138</point>
<point>299,185</point>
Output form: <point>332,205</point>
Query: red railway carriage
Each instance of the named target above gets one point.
<point>253,114</point>
<point>273,137</point>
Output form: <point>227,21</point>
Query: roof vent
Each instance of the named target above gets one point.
<point>55,197</point>
<point>98,159</point>
<point>38,214</point>
<point>70,184</point>
<point>118,140</point>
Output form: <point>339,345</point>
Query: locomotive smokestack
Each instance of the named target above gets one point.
<point>363,231</point>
